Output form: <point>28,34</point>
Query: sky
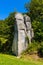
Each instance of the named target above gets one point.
<point>8,6</point>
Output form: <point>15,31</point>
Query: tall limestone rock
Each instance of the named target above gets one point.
<point>29,30</point>
<point>22,29</point>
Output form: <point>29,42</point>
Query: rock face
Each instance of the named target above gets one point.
<point>22,29</point>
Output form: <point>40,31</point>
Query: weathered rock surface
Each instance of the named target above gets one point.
<point>22,29</point>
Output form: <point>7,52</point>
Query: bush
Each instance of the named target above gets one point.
<point>40,50</point>
<point>33,48</point>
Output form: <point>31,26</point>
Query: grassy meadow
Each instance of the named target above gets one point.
<point>12,60</point>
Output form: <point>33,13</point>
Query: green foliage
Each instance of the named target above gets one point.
<point>27,39</point>
<point>6,33</point>
<point>38,30</point>
<point>33,48</point>
<point>35,9</point>
<point>3,40</point>
<point>40,50</point>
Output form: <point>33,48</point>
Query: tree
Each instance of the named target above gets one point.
<point>35,9</point>
<point>38,30</point>
<point>6,32</point>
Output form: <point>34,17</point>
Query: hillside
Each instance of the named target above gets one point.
<point>12,60</point>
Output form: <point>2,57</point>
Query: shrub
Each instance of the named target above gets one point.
<point>40,50</point>
<point>33,48</point>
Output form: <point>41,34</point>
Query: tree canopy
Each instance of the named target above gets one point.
<point>35,10</point>
<point>6,32</point>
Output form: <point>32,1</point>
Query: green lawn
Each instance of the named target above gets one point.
<point>11,60</point>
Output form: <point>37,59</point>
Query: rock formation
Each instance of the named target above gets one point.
<point>22,29</point>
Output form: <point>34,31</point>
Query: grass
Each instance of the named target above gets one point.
<point>12,60</point>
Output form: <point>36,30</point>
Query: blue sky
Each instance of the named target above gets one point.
<point>8,6</point>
